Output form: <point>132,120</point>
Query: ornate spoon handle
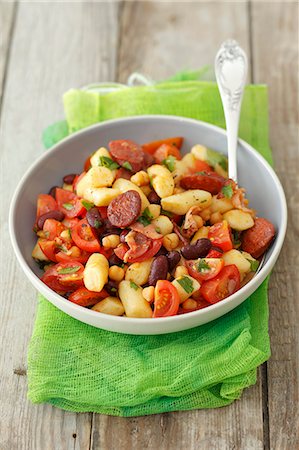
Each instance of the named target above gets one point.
<point>231,72</point>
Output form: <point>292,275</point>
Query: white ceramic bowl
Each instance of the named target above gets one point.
<point>264,192</point>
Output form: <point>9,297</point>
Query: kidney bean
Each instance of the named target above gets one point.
<point>173,259</point>
<point>154,198</point>
<point>94,218</point>
<point>57,215</point>
<point>68,179</point>
<point>159,270</point>
<point>115,260</point>
<point>52,191</point>
<point>111,287</point>
<point>162,251</point>
<point>198,250</point>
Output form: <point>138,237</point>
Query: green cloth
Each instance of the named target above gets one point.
<point>80,368</point>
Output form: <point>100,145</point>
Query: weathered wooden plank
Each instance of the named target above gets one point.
<point>159,39</point>
<point>276,56</point>
<point>7,12</point>
<point>55,46</point>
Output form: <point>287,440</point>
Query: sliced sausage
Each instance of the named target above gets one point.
<point>126,151</point>
<point>124,209</point>
<point>257,239</point>
<point>210,182</point>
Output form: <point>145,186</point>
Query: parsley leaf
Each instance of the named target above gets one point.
<point>169,162</point>
<point>223,163</point>
<point>134,285</point>
<point>202,266</point>
<point>68,206</point>
<point>87,205</point>
<point>97,223</point>
<point>202,172</point>
<point>68,269</point>
<point>127,165</point>
<point>146,217</point>
<point>108,162</point>
<point>253,264</point>
<point>236,238</point>
<point>227,191</point>
<point>166,213</point>
<point>186,284</point>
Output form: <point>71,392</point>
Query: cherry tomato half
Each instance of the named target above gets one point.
<point>53,228</point>
<point>73,254</point>
<point>48,248</point>
<point>64,277</point>
<point>203,269</point>
<point>45,203</point>
<point>69,203</point>
<point>167,300</point>
<point>151,147</point>
<point>226,283</point>
<point>84,237</point>
<point>166,150</point>
<point>84,297</point>
<point>219,235</point>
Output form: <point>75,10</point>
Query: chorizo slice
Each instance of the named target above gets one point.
<point>124,209</point>
<point>257,239</point>
<point>210,182</point>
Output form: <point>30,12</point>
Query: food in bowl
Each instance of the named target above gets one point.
<point>145,232</point>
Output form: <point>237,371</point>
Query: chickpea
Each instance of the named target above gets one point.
<point>140,178</point>
<point>180,271</point>
<point>154,210</point>
<point>189,304</point>
<point>198,220</point>
<point>170,241</point>
<point>111,241</point>
<point>65,234</point>
<point>148,293</point>
<point>215,217</point>
<point>116,273</point>
<point>205,214</point>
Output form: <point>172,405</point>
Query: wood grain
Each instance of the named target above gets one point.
<point>7,13</point>
<point>54,47</point>
<point>276,56</point>
<point>159,40</point>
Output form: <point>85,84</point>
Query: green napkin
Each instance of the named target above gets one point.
<point>80,368</point>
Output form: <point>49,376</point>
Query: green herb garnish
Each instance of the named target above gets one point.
<point>68,206</point>
<point>69,269</point>
<point>202,266</point>
<point>166,213</point>
<point>223,163</point>
<point>186,284</point>
<point>146,217</point>
<point>134,285</point>
<point>253,264</point>
<point>108,162</point>
<point>97,224</point>
<point>87,205</point>
<point>202,172</point>
<point>113,289</point>
<point>236,238</point>
<point>151,181</point>
<point>169,162</point>
<point>227,191</point>
<point>127,165</point>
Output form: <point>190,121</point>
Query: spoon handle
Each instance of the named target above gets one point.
<point>231,72</point>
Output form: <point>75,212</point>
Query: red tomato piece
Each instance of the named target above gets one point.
<point>45,203</point>
<point>214,253</point>
<point>70,223</point>
<point>64,277</point>
<point>121,250</point>
<point>201,166</point>
<point>153,248</point>
<point>220,236</point>
<point>49,248</point>
<point>52,228</point>
<point>166,150</point>
<point>87,164</point>
<point>69,203</point>
<point>167,300</point>
<point>210,182</point>
<point>84,297</point>
<point>74,254</point>
<point>84,237</point>
<point>151,147</point>
<point>203,269</point>
<point>226,283</point>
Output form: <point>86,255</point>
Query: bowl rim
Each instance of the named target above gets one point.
<point>246,289</point>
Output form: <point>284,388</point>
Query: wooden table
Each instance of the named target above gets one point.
<point>44,50</point>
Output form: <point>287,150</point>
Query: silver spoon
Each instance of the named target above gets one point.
<point>231,72</point>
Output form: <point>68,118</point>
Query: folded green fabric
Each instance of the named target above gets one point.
<point>80,368</point>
